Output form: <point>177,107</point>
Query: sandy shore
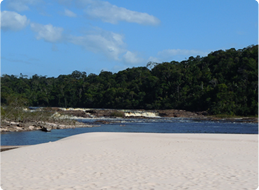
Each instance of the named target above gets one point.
<point>135,161</point>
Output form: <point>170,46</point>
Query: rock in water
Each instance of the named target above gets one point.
<point>46,129</point>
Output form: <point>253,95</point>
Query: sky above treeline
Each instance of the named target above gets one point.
<point>51,38</point>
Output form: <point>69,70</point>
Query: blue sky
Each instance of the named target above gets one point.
<point>60,36</point>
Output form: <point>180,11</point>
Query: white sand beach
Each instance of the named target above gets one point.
<point>138,161</point>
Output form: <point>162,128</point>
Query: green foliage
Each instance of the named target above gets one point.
<point>224,82</point>
<point>2,112</point>
<point>2,115</point>
<point>15,109</point>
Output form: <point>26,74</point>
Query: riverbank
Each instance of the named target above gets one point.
<point>66,118</point>
<point>135,161</point>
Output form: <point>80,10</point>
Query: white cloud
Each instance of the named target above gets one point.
<point>21,5</point>
<point>132,58</point>
<point>107,12</point>
<point>69,13</point>
<point>108,43</point>
<point>47,32</point>
<point>13,21</point>
<point>113,14</point>
<point>99,41</point>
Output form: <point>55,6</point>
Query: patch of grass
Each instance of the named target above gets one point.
<point>224,116</point>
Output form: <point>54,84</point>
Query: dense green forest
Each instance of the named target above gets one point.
<point>224,82</point>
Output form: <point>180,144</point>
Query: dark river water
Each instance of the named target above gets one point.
<point>132,125</point>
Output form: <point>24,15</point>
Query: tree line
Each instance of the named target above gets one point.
<point>224,82</point>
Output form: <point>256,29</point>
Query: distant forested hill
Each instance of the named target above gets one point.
<point>224,82</point>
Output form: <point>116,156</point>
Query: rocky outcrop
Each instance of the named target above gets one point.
<point>43,126</point>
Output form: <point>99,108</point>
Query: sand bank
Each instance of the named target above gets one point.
<point>135,161</point>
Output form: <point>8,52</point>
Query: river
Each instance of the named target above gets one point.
<point>165,125</point>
